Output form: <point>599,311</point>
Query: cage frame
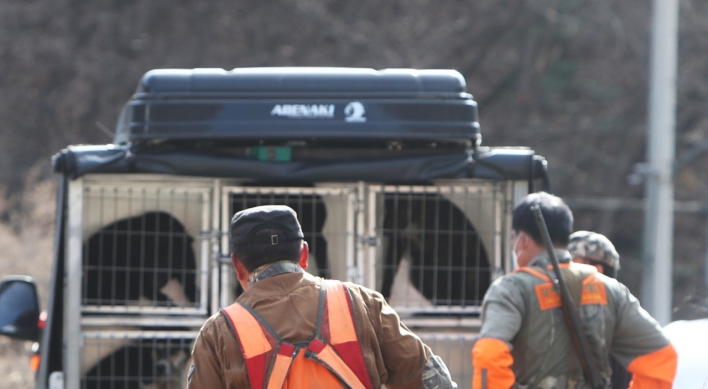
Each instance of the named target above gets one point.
<point>200,187</point>
<point>362,242</point>
<point>348,191</point>
<point>127,335</point>
<point>500,262</point>
<point>78,316</point>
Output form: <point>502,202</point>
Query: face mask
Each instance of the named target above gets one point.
<point>514,256</point>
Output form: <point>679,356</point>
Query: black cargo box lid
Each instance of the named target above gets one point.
<point>308,103</point>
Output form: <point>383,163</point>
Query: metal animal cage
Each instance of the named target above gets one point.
<point>439,245</point>
<point>432,250</point>
<point>429,248</point>
<point>135,359</point>
<point>327,218</point>
<point>144,247</point>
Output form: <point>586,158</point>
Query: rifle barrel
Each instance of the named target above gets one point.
<point>570,311</point>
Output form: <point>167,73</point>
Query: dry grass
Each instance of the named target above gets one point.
<point>14,364</point>
<point>26,249</point>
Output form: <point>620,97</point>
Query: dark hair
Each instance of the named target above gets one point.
<point>253,256</point>
<point>558,217</point>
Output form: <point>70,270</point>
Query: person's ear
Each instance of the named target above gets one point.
<point>304,255</point>
<point>241,272</point>
<point>523,241</point>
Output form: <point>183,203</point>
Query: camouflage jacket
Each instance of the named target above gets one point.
<point>524,341</point>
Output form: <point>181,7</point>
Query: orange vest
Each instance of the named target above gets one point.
<point>332,357</point>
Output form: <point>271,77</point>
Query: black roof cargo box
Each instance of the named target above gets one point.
<point>286,104</point>
<point>303,125</point>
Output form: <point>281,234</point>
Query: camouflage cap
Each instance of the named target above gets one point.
<point>594,247</point>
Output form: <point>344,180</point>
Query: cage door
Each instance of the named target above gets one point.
<point>144,247</point>
<point>435,248</point>
<point>326,215</point>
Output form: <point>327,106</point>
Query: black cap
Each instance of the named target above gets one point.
<point>246,224</point>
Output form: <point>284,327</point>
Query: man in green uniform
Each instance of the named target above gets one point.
<point>524,341</point>
<point>596,250</point>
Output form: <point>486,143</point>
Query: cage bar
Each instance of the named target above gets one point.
<point>127,359</point>
<point>145,248</point>
<point>437,250</point>
<point>325,215</point>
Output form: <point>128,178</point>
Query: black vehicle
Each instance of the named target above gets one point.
<point>385,169</point>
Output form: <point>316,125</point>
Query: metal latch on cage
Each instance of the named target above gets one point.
<point>369,240</point>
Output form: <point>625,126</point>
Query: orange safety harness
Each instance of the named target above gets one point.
<point>331,357</point>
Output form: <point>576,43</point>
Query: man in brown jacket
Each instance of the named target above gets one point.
<point>288,310</point>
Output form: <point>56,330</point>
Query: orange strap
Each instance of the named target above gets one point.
<point>255,346</point>
<point>341,322</point>
<point>326,355</point>
<point>306,373</point>
<point>534,273</point>
<point>655,370</point>
<point>342,332</point>
<point>281,366</point>
<point>258,347</point>
<point>256,342</point>
<point>492,360</point>
<point>592,292</point>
